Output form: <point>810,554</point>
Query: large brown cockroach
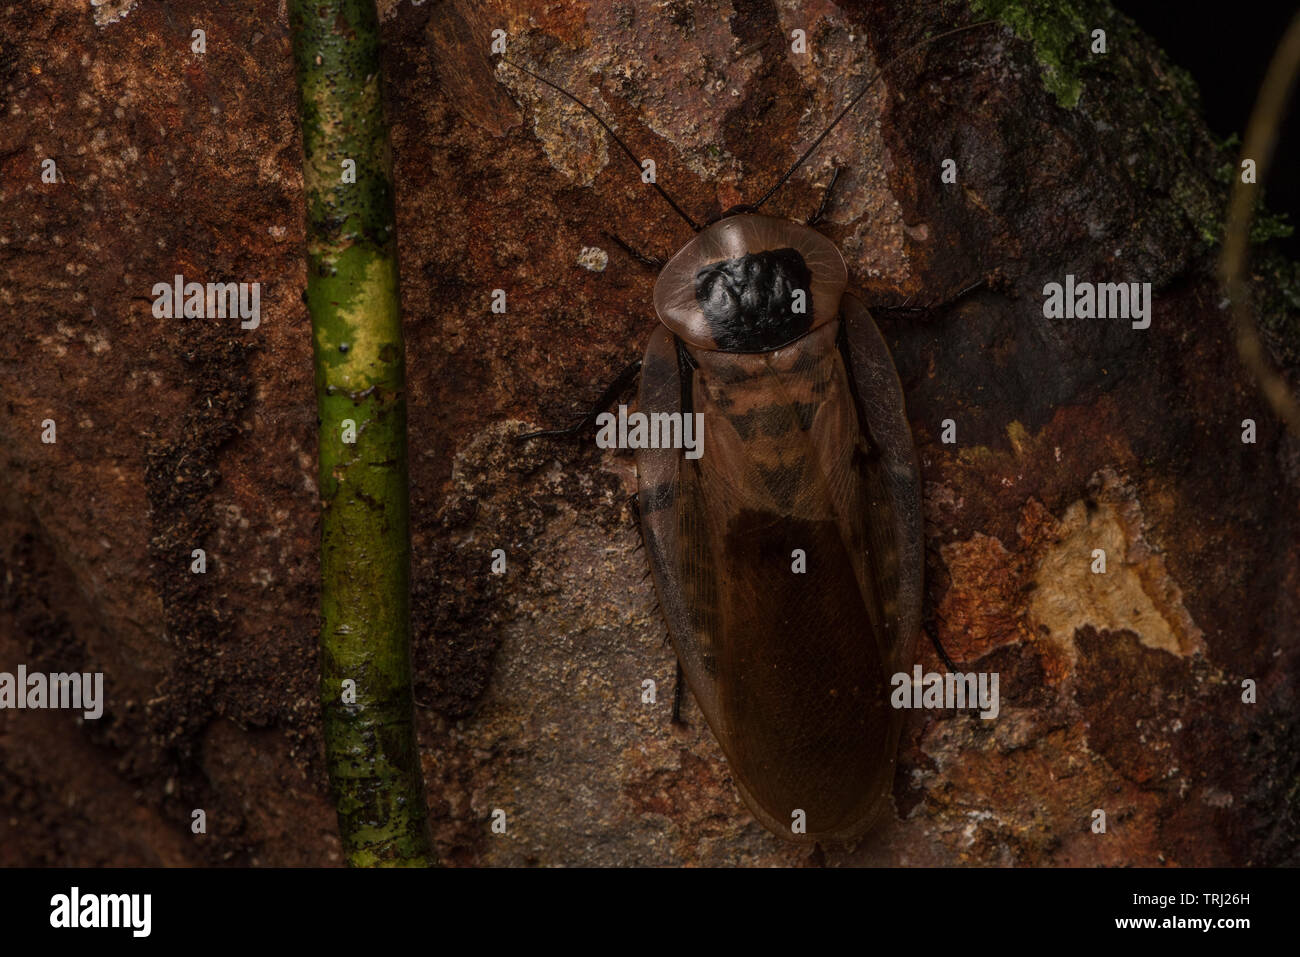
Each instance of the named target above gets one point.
<point>809,457</point>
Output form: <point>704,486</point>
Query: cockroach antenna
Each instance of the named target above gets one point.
<point>608,129</point>
<point>858,96</point>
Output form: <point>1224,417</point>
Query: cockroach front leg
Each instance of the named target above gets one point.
<point>906,306</point>
<point>616,388</point>
<point>645,259</point>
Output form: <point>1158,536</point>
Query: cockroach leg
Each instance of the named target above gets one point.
<point>677,696</point>
<point>818,216</point>
<point>969,289</point>
<point>943,655</point>
<point>634,506</point>
<point>616,389</point>
<point>932,632</point>
<point>946,301</point>
<point>653,262</point>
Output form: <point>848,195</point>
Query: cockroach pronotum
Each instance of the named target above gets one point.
<point>809,454</point>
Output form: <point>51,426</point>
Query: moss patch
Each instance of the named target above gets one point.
<point>1060,32</point>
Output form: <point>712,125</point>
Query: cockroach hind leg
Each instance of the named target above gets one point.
<point>616,389</point>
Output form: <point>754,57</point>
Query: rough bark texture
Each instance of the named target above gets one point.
<point>1119,691</point>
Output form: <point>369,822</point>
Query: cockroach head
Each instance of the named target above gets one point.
<point>751,283</point>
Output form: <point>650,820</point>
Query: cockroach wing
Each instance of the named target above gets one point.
<point>684,579</point>
<point>884,417</point>
<point>778,565</point>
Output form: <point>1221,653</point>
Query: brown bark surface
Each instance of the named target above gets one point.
<point>1120,691</point>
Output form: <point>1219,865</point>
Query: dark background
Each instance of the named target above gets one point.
<point>1227,48</point>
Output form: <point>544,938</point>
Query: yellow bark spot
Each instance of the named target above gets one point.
<point>1136,592</point>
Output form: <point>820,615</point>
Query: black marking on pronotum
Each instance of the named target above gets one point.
<point>756,302</point>
<point>811,459</point>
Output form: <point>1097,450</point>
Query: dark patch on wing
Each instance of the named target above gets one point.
<point>781,481</point>
<point>655,499</point>
<point>802,683</point>
<point>804,412</point>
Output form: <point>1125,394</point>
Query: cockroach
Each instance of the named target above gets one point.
<point>809,458</point>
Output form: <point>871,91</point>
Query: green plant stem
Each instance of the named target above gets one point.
<point>352,295</point>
